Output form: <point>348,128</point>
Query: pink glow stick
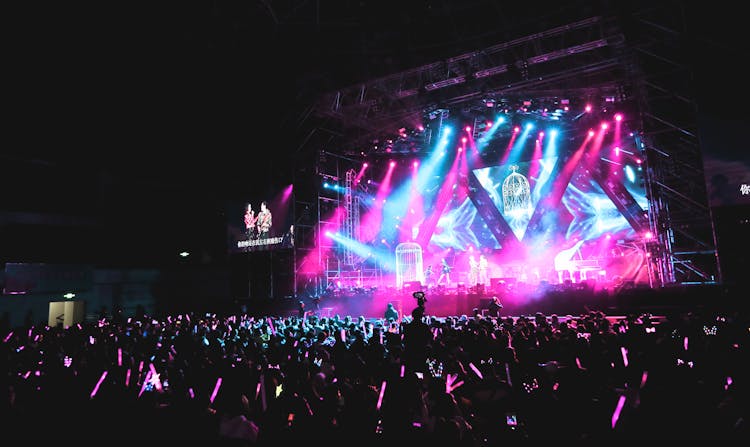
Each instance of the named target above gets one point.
<point>127,378</point>
<point>119,356</point>
<point>618,409</point>
<point>380,398</point>
<point>476,370</point>
<point>216,390</point>
<point>507,374</point>
<point>155,375</point>
<point>263,391</point>
<point>98,384</point>
<point>624,352</point>
<point>7,337</point>
<point>403,368</point>
<point>145,382</point>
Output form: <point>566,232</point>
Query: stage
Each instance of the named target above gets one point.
<point>561,299</point>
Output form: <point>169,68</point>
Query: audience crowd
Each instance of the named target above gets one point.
<point>242,380</point>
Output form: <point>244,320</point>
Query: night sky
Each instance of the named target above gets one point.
<point>145,117</point>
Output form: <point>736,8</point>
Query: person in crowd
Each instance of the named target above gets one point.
<point>495,306</point>
<point>264,380</point>
<point>391,314</point>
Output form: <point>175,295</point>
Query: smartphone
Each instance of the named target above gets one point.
<point>420,376</point>
<point>511,420</point>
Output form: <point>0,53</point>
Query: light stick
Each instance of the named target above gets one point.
<point>216,390</point>
<point>380,398</point>
<point>618,409</point>
<point>98,384</point>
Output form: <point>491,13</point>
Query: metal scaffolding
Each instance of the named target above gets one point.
<point>685,238</point>
<point>634,59</point>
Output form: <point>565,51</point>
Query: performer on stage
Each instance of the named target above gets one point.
<point>429,276</point>
<point>250,221</point>
<point>483,278</point>
<point>473,271</point>
<point>445,272</point>
<point>264,221</point>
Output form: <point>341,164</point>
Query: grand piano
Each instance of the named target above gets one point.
<point>571,261</point>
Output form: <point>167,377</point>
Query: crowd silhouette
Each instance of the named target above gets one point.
<point>244,380</point>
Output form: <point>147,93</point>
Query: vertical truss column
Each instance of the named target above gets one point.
<point>680,213</point>
<point>351,215</point>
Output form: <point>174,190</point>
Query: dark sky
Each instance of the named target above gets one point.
<point>180,87</point>
<point>149,113</point>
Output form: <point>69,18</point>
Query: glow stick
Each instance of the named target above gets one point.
<point>476,370</point>
<point>624,356</point>
<point>119,356</point>
<point>191,393</point>
<point>403,367</point>
<point>145,382</point>
<point>7,337</point>
<point>263,391</point>
<point>155,376</point>
<point>127,378</point>
<point>98,384</point>
<point>685,343</point>
<point>216,390</point>
<point>644,377</point>
<point>507,374</point>
<point>618,409</point>
<point>380,398</point>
